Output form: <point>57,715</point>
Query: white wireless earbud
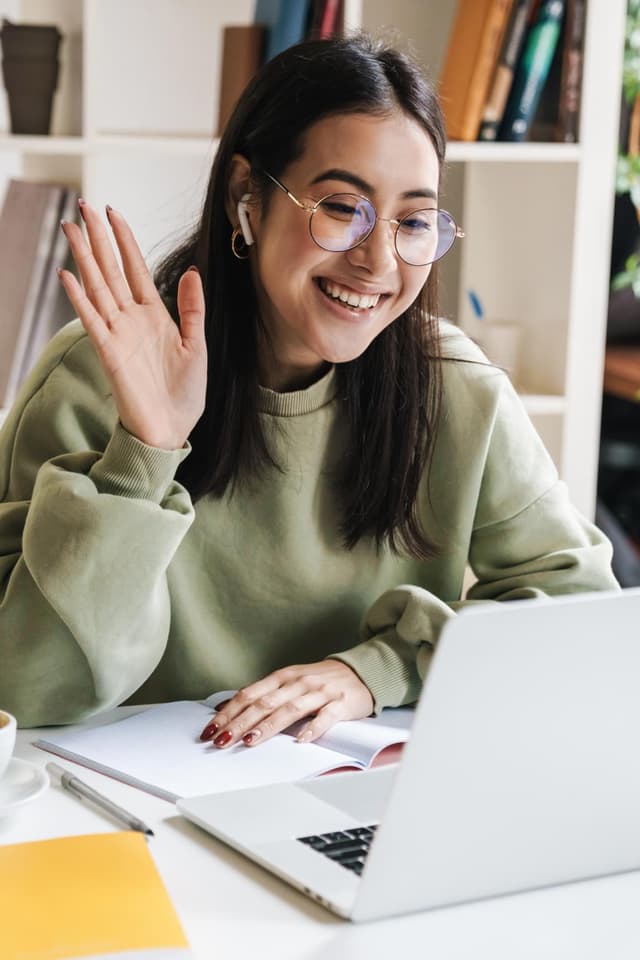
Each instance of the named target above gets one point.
<point>244,219</point>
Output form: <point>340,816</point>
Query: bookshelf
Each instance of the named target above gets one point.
<point>133,122</point>
<point>537,218</point>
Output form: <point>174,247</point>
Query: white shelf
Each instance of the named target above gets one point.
<point>180,146</point>
<point>536,405</point>
<point>46,146</point>
<point>460,152</point>
<point>457,152</point>
<point>544,404</point>
<point>82,146</point>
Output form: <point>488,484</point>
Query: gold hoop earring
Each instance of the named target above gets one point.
<point>240,252</point>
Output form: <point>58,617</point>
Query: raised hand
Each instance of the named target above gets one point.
<point>157,370</point>
<point>323,692</point>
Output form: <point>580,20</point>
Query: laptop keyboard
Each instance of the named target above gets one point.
<point>349,848</point>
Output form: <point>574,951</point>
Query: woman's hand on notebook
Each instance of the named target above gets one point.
<point>321,693</point>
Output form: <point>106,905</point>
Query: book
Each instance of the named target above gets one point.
<point>622,372</point>
<point>532,71</point>
<point>29,224</point>
<point>325,19</point>
<point>566,130</point>
<point>53,309</point>
<point>159,750</point>
<point>545,119</point>
<point>86,896</point>
<point>242,52</point>
<point>331,23</point>
<point>472,53</point>
<point>512,41</point>
<point>286,22</point>
<point>557,114</point>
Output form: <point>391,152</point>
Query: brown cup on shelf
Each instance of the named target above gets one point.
<point>30,71</point>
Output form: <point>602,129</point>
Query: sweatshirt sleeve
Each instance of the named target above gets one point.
<point>523,539</point>
<point>90,519</point>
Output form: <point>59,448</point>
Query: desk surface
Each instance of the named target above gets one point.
<point>231,907</point>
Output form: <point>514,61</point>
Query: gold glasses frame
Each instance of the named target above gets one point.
<point>311,209</point>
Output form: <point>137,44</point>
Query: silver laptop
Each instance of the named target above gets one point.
<point>523,770</point>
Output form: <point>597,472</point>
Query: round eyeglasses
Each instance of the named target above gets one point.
<point>342,221</point>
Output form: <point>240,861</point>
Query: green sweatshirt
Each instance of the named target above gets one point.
<point>115,587</point>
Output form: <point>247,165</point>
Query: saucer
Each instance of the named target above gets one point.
<point>21,782</point>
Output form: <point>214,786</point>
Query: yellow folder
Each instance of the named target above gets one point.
<point>84,896</point>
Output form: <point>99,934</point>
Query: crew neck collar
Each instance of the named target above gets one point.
<point>298,402</point>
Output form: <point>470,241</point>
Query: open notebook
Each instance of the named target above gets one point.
<point>159,750</point>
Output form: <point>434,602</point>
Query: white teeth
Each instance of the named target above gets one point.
<point>360,301</point>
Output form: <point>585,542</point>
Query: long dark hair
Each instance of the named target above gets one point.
<point>391,393</point>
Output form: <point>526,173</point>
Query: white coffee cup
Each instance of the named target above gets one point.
<point>7,739</point>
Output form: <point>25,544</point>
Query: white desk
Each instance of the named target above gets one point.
<point>231,908</point>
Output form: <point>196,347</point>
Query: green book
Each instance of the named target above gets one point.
<point>532,70</point>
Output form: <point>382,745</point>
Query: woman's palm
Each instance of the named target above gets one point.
<point>156,369</point>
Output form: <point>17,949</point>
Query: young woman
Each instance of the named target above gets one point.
<point>268,469</point>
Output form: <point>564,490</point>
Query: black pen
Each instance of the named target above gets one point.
<point>81,789</point>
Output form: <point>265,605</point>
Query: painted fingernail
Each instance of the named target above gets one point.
<point>81,205</point>
<point>251,737</point>
<point>222,739</point>
<point>209,731</point>
<point>109,212</point>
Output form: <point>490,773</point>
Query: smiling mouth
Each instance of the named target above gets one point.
<point>349,298</point>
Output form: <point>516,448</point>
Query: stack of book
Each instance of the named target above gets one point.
<point>513,70</point>
<point>278,24</point>
<point>33,304</point>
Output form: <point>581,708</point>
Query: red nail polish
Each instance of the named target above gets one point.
<point>249,738</point>
<point>109,211</point>
<point>81,204</point>
<point>222,739</point>
<point>209,731</point>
